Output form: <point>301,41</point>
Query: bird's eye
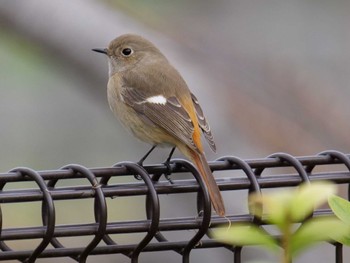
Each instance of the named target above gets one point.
<point>126,52</point>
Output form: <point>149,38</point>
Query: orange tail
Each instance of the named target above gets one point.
<point>214,192</point>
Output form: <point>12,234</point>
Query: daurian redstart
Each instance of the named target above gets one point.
<point>152,100</point>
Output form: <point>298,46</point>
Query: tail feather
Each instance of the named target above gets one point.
<point>214,192</point>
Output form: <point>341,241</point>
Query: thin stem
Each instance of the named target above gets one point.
<point>286,235</point>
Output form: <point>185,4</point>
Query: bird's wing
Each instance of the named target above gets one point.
<point>166,113</point>
<point>203,124</point>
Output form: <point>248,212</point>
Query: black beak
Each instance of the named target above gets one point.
<point>100,50</point>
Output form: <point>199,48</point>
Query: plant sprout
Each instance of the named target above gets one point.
<point>290,211</point>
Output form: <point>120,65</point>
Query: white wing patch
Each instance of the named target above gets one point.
<point>159,99</point>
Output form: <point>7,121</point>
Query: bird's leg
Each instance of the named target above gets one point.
<point>146,155</point>
<point>137,177</point>
<point>167,164</point>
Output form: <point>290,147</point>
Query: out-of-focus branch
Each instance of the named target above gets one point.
<point>69,29</point>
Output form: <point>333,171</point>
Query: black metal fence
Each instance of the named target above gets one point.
<point>100,188</point>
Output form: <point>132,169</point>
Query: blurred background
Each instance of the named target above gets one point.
<point>271,76</point>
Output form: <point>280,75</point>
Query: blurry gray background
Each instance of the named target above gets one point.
<point>270,75</point>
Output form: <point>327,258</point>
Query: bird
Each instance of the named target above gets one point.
<point>152,100</point>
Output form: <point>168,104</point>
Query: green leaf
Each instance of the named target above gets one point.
<point>309,196</point>
<point>245,234</point>
<point>345,240</point>
<point>340,207</point>
<point>316,230</point>
<point>275,205</point>
<point>291,205</point>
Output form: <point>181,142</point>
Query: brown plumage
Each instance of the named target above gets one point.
<point>153,101</point>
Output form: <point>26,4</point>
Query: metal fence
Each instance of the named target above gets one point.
<point>100,188</point>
